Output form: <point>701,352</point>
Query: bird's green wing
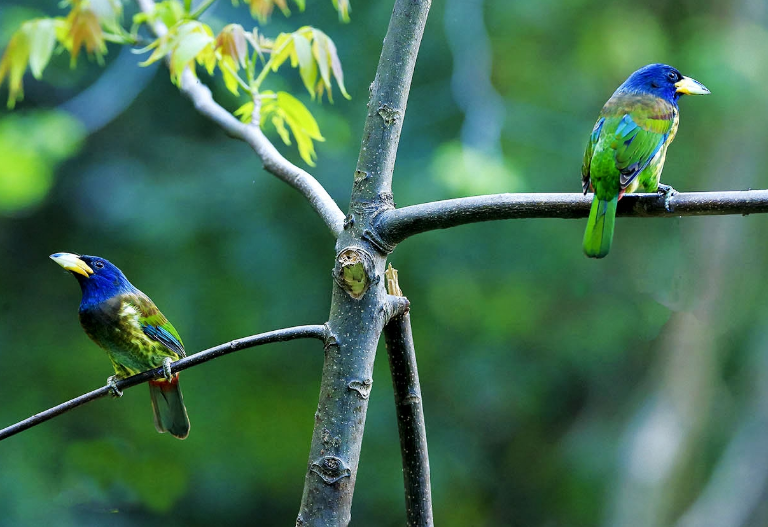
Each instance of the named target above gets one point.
<point>585,166</point>
<point>156,326</point>
<point>639,126</point>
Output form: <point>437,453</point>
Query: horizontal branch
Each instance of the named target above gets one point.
<point>395,225</point>
<point>274,162</point>
<point>278,335</point>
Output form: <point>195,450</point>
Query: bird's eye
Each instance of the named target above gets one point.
<point>98,264</point>
<point>672,76</point>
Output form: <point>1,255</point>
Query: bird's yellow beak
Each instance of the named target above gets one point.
<point>689,86</point>
<point>72,262</point>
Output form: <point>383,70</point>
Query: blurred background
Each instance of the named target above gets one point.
<point>558,391</point>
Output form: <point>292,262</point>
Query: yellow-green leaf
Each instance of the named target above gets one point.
<point>31,45</point>
<point>343,7</point>
<point>320,51</point>
<point>42,38</point>
<point>284,109</point>
<point>169,12</point>
<point>245,112</point>
<point>186,42</point>
<point>279,123</point>
<point>336,68</point>
<point>307,66</point>
<point>281,50</point>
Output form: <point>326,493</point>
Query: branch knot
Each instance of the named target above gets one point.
<point>331,469</point>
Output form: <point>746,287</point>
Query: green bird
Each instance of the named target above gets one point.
<point>628,146</point>
<point>136,336</point>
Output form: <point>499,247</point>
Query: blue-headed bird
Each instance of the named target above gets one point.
<point>136,336</point>
<point>628,146</point>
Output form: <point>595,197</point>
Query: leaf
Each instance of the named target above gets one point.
<point>285,109</point>
<point>31,45</point>
<point>281,50</point>
<point>336,68</point>
<point>42,38</point>
<point>307,66</point>
<point>245,112</point>
<point>169,12</point>
<point>279,123</point>
<point>343,7</point>
<point>231,42</point>
<point>313,52</point>
<point>320,51</point>
<point>84,31</point>
<point>187,42</point>
<point>327,58</point>
<point>231,47</point>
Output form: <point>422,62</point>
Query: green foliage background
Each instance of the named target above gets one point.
<point>557,390</point>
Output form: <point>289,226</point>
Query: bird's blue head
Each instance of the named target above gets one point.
<point>99,279</point>
<point>662,81</point>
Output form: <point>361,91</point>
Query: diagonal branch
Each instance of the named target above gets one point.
<point>395,225</point>
<point>274,162</point>
<point>278,335</point>
<point>410,413</point>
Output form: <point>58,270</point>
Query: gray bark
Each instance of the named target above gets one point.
<point>360,306</point>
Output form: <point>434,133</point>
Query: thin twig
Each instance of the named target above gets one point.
<point>278,335</point>
<point>274,162</point>
<point>395,225</point>
<point>410,414</point>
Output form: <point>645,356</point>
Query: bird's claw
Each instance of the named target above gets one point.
<point>667,191</point>
<point>112,384</point>
<point>167,369</point>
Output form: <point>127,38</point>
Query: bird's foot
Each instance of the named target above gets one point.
<point>167,369</point>
<point>112,384</point>
<point>667,191</point>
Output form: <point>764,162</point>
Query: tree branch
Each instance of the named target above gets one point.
<point>394,226</point>
<point>278,335</point>
<point>410,414</point>
<point>274,162</point>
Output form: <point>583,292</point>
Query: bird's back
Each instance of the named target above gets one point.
<point>114,325</point>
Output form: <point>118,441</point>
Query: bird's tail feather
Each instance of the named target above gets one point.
<point>599,233</point>
<point>168,407</point>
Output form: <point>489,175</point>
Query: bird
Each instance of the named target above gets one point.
<point>135,334</point>
<point>628,145</point>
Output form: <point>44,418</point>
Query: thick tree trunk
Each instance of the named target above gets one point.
<point>360,306</point>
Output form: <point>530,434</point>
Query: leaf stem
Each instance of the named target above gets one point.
<point>240,81</point>
<point>200,9</point>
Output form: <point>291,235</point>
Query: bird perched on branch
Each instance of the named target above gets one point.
<point>135,334</point>
<point>628,145</point>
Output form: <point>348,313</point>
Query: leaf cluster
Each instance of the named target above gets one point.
<point>89,24</point>
<point>245,59</point>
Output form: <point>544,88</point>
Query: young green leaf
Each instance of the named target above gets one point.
<point>31,45</point>
<point>169,12</point>
<point>187,42</point>
<point>245,112</point>
<point>41,34</point>
<point>314,53</point>
<point>343,7</point>
<point>284,109</point>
